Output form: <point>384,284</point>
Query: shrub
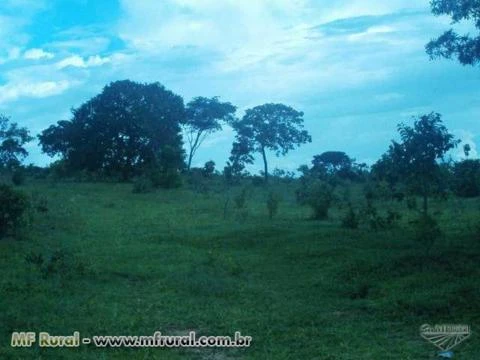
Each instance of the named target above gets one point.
<point>13,207</point>
<point>18,176</point>
<point>466,181</point>
<point>319,196</point>
<point>350,220</point>
<point>273,202</point>
<point>427,231</point>
<point>209,168</point>
<point>142,185</point>
<point>241,199</point>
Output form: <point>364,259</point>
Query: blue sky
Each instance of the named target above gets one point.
<point>355,67</point>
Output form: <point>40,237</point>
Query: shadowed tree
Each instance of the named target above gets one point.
<point>275,127</point>
<point>450,44</point>
<point>129,126</point>
<point>204,117</point>
<point>12,141</point>
<point>414,160</point>
<point>332,163</point>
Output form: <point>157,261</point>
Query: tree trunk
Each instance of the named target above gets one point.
<point>265,165</point>
<point>190,157</point>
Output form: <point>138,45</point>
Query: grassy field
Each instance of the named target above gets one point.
<point>118,263</point>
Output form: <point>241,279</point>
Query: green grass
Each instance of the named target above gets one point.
<point>171,261</point>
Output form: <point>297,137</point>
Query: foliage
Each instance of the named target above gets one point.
<point>350,220</point>
<point>12,141</point>
<point>13,207</point>
<point>274,127</point>
<point>319,196</point>
<point>273,202</point>
<point>142,185</point>
<point>18,176</point>
<point>123,129</point>
<point>209,169</point>
<point>427,231</point>
<point>414,160</point>
<point>204,117</point>
<point>466,175</point>
<point>450,44</point>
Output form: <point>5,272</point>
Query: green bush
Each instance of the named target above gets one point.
<point>319,196</point>
<point>427,231</point>
<point>142,185</point>
<point>18,176</point>
<point>273,201</point>
<point>350,220</point>
<point>13,207</point>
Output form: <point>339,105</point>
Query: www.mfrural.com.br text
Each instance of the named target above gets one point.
<point>44,339</point>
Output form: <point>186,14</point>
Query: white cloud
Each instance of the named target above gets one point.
<point>36,54</point>
<point>13,91</point>
<point>78,61</point>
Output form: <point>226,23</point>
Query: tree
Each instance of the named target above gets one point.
<point>415,158</point>
<point>128,127</point>
<point>275,127</point>
<point>450,44</point>
<point>466,178</point>
<point>12,141</point>
<point>203,118</point>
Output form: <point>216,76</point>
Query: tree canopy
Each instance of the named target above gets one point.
<point>126,127</point>
<point>414,160</point>
<point>12,141</point>
<point>450,44</point>
<point>204,116</point>
<point>275,127</point>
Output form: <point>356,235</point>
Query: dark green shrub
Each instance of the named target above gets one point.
<point>18,176</point>
<point>13,207</point>
<point>142,185</point>
<point>319,196</point>
<point>350,220</point>
<point>241,199</point>
<point>427,231</point>
<point>273,201</point>
<point>209,168</point>
<point>466,178</point>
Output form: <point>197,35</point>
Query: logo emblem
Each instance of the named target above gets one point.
<point>445,337</point>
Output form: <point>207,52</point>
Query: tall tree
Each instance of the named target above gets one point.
<point>275,127</point>
<point>204,117</point>
<point>414,160</point>
<point>125,128</point>
<point>12,141</point>
<point>450,44</point>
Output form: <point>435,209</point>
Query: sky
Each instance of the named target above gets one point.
<point>356,68</point>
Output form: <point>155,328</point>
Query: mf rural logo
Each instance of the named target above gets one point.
<point>445,337</point>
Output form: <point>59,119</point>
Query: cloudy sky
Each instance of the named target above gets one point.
<point>355,67</point>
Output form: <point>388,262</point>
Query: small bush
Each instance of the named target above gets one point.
<point>142,185</point>
<point>427,231</point>
<point>319,196</point>
<point>241,199</point>
<point>209,169</point>
<point>273,201</point>
<point>13,207</point>
<point>350,220</point>
<point>59,262</point>
<point>18,177</point>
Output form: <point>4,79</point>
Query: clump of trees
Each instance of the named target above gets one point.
<point>127,128</point>
<point>12,143</point>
